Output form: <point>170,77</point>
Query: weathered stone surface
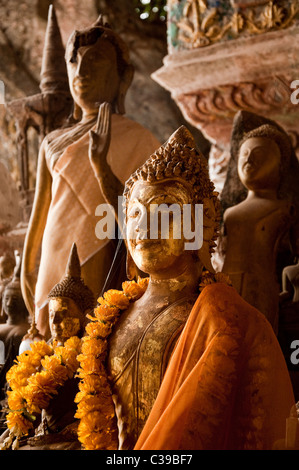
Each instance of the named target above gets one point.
<point>213,76</point>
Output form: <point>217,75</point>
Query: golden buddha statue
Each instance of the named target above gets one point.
<point>267,214</point>
<point>45,419</point>
<point>67,193</point>
<point>187,371</point>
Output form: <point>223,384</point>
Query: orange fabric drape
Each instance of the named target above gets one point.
<point>226,386</point>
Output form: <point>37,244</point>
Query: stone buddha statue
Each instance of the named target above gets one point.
<point>70,301</point>
<point>14,328</point>
<point>188,370</point>
<point>67,193</point>
<point>266,214</point>
<point>7,265</point>
<point>288,333</point>
<point>17,317</point>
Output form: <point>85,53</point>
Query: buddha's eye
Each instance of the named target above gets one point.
<point>134,212</point>
<point>244,153</point>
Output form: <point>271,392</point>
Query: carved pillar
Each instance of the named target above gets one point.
<point>224,56</point>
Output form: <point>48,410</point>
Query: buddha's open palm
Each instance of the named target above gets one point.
<point>99,139</point>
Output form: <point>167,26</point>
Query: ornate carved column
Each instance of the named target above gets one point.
<point>224,56</point>
<point>45,111</point>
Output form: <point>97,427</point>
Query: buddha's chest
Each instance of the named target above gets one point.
<point>138,355</point>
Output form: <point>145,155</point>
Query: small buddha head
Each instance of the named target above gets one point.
<point>99,67</point>
<point>13,304</point>
<point>7,265</point>
<point>175,180</point>
<point>285,165</point>
<point>69,302</point>
<point>264,155</point>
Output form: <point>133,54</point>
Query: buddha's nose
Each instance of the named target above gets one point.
<point>57,317</point>
<point>82,68</point>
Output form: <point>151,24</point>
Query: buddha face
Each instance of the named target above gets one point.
<point>259,163</point>
<point>7,265</point>
<point>64,318</point>
<point>93,74</point>
<point>153,249</point>
<point>13,305</point>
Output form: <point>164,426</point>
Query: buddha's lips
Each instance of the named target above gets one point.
<point>249,166</point>
<point>145,242</point>
<point>81,83</point>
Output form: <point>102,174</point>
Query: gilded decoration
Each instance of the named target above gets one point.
<point>200,23</point>
<point>226,100</point>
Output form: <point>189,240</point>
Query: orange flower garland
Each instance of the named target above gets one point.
<point>33,382</point>
<point>97,429</point>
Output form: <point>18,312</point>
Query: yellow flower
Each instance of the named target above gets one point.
<point>133,290</point>
<point>68,358</point>
<point>96,433</point>
<point>73,343</point>
<point>39,390</point>
<point>94,384</point>
<point>117,298</point>
<point>97,330</point>
<point>53,365</point>
<point>106,313</point>
<point>29,358</point>
<point>143,282</point>
<point>17,375</point>
<point>15,400</point>
<point>94,346</point>
<point>17,421</point>
<point>90,365</point>
<point>92,403</point>
<point>41,348</point>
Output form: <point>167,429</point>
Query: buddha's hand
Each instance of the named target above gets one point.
<point>99,140</point>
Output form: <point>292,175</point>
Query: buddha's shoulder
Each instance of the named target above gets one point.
<point>220,303</point>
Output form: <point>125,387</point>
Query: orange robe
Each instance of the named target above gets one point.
<point>226,386</point>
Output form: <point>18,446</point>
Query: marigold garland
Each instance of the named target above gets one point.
<point>34,380</point>
<point>32,388</point>
<point>97,429</point>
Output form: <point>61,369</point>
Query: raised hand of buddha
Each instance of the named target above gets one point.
<point>98,149</point>
<point>99,140</point>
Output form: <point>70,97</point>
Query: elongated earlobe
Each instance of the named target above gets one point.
<point>123,88</point>
<point>131,268</point>
<point>77,113</point>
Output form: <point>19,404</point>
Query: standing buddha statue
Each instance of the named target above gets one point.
<point>67,193</point>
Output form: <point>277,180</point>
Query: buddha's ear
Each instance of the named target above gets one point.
<point>205,257</point>
<point>125,83</point>
<point>77,113</point>
<point>131,268</point>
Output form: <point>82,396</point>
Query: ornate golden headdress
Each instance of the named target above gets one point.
<point>179,159</point>
<point>72,285</point>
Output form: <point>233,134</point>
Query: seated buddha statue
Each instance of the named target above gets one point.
<point>67,193</point>
<point>41,407</point>
<point>13,330</point>
<point>17,316</point>
<point>7,265</point>
<point>256,227</point>
<point>191,364</point>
